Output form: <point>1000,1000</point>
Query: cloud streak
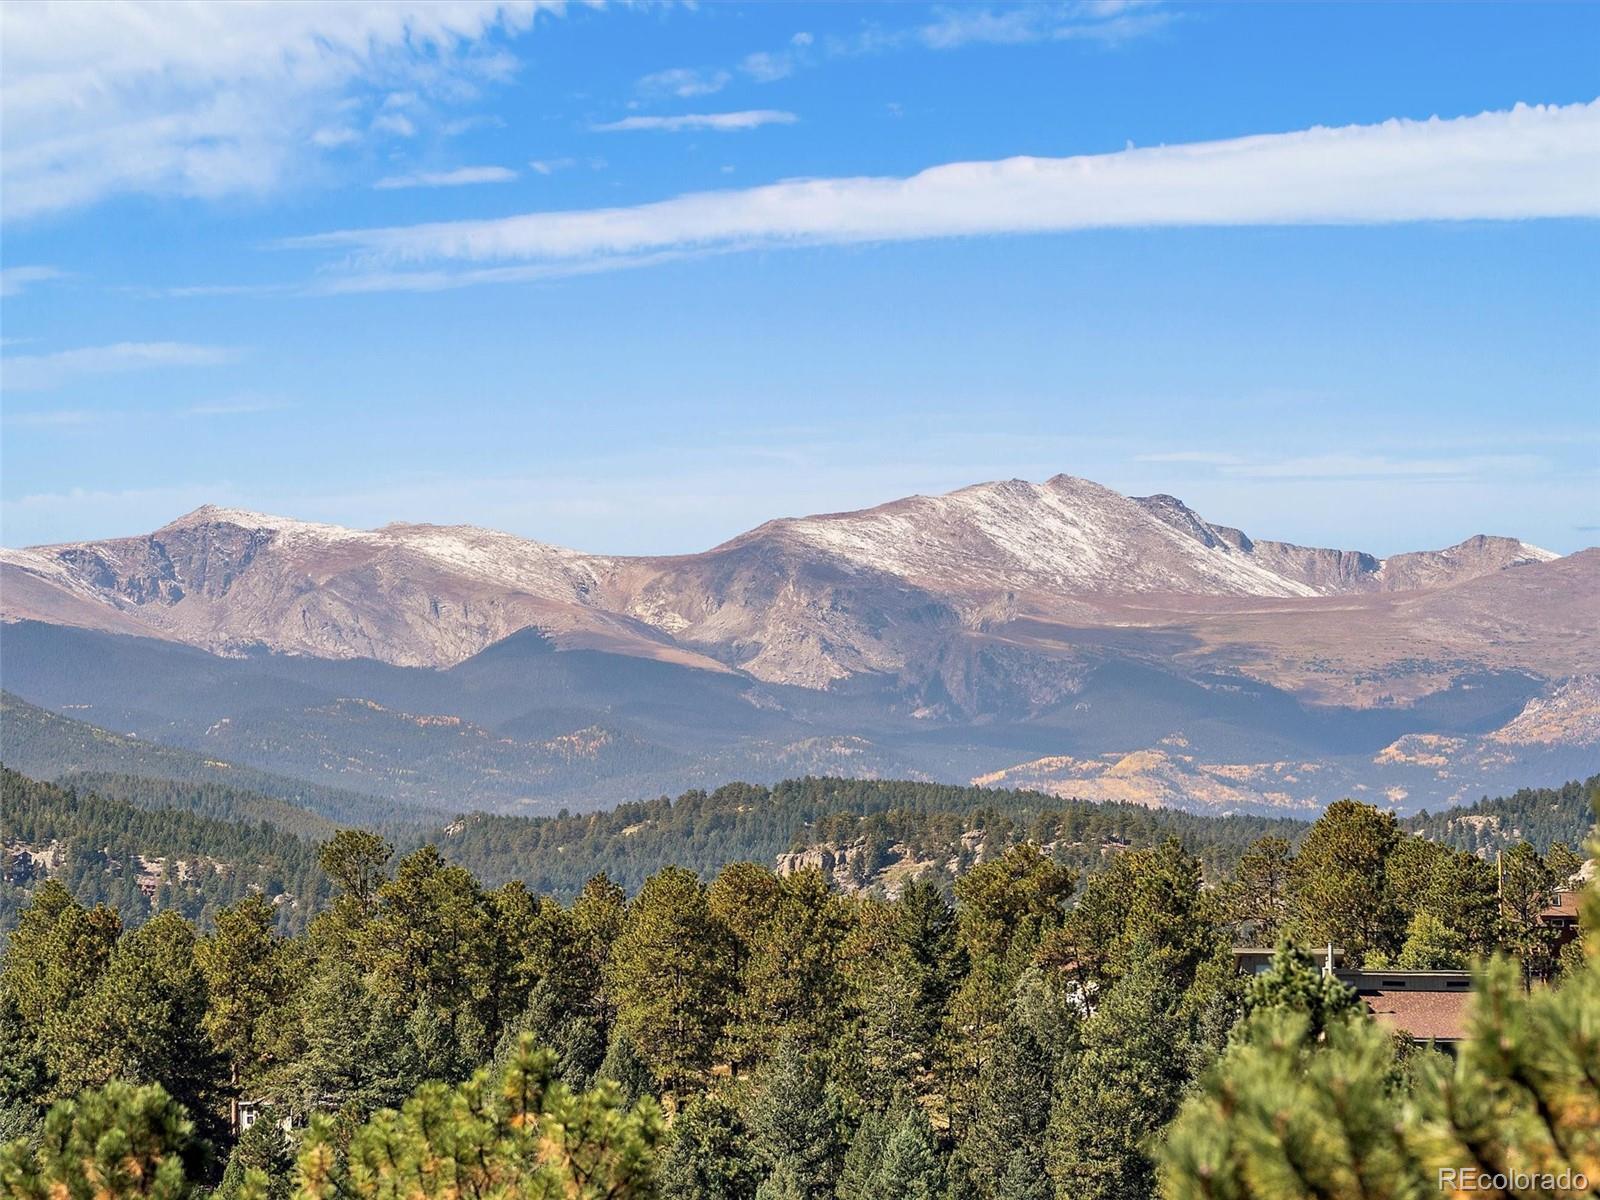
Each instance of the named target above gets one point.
<point>1526,163</point>
<point>1102,22</point>
<point>684,82</point>
<point>723,122</point>
<point>460,177</point>
<point>237,407</point>
<point>40,372</point>
<point>212,100</point>
<point>1378,466</point>
<point>16,280</point>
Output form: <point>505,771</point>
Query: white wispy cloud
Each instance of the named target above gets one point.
<point>213,99</point>
<point>211,290</point>
<point>239,406</point>
<point>109,419</point>
<point>549,166</point>
<point>15,280</point>
<point>1100,22</point>
<point>1210,458</point>
<point>723,122</point>
<point>463,125</point>
<point>1106,22</point>
<point>1526,163</point>
<point>331,137</point>
<point>38,372</point>
<point>460,177</point>
<point>1380,466</point>
<point>397,124</point>
<point>684,82</point>
<point>769,66</point>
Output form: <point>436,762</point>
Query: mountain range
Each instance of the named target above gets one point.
<point>1052,635</point>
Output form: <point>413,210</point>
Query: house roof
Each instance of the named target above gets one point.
<point>1428,1016</point>
<point>1566,905</point>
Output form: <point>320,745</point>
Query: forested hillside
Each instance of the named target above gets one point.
<point>704,831</point>
<point>46,745</point>
<point>928,829</point>
<point>866,835</point>
<point>755,1037</point>
<point>1541,816</point>
<point>219,801</point>
<point>143,860</point>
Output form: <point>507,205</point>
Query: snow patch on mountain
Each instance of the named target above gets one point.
<point>889,591</point>
<point>1066,535</point>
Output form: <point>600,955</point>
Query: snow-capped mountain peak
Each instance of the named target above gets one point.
<point>806,600</point>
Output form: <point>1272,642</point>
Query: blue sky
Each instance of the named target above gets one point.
<point>1383,338</point>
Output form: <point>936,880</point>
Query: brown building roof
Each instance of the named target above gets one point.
<point>1426,1016</point>
<point>1566,905</point>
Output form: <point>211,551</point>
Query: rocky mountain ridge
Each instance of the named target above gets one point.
<point>1340,572</point>
<point>805,601</point>
<point>1055,634</point>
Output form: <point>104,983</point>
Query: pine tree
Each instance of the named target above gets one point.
<point>707,1154</point>
<point>1147,902</point>
<point>623,1067</point>
<point>1008,908</point>
<point>904,984</point>
<point>792,985</point>
<point>54,960</point>
<point>863,1158</point>
<point>357,1053</point>
<point>431,944</point>
<point>794,1127</point>
<point>1294,983</point>
<point>1123,1086</point>
<point>262,1151</point>
<point>1460,892</point>
<point>1023,1179</point>
<point>120,1142</point>
<point>355,859</point>
<point>1010,903</point>
<point>144,1023</point>
<point>1289,1114</point>
<point>892,1154</point>
<point>1527,887</point>
<point>787,1181</point>
<point>573,1034</point>
<point>1431,945</point>
<point>911,1168</point>
<point>973,1033</point>
<point>599,912</point>
<point>744,898</point>
<point>1564,864</point>
<point>669,976</point>
<point>1011,1106</point>
<point>1338,889</point>
<point>24,1079</point>
<point>519,1133</point>
<point>598,915</point>
<point>1257,898</point>
<point>250,979</point>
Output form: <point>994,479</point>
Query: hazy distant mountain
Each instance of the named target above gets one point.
<point>804,601</point>
<point>1006,630</point>
<point>414,595</point>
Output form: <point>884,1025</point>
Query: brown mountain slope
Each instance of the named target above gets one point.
<point>973,598</point>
